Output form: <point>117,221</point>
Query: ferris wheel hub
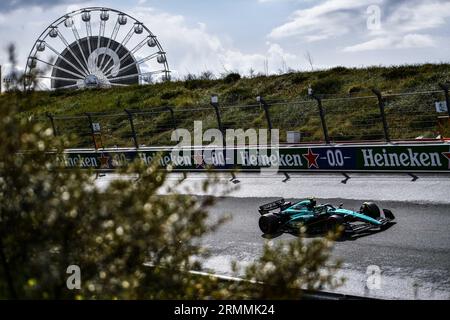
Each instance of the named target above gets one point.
<point>91,81</point>
<point>94,80</point>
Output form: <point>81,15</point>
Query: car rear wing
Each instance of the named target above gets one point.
<point>265,208</point>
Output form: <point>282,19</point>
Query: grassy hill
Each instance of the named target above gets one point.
<point>351,109</point>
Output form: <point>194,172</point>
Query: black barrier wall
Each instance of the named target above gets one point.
<point>345,158</point>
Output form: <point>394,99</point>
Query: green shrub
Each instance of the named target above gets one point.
<point>327,86</point>
<point>198,84</point>
<point>400,72</point>
<point>167,95</point>
<point>356,89</point>
<point>232,78</point>
<point>298,78</point>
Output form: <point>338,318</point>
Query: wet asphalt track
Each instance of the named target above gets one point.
<point>413,254</point>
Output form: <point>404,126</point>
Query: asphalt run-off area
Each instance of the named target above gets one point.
<point>413,255</point>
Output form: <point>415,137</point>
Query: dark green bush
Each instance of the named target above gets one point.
<point>232,77</point>
<point>327,86</point>
<point>167,95</point>
<point>400,72</point>
<point>298,78</point>
<point>198,84</point>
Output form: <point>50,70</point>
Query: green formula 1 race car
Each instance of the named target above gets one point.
<point>281,216</point>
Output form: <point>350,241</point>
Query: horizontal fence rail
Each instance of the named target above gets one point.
<point>365,116</point>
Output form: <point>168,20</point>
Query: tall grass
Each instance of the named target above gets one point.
<point>348,119</point>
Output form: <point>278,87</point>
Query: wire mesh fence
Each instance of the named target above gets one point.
<point>302,117</point>
<point>114,130</point>
<point>356,118</point>
<point>153,127</point>
<point>413,116</point>
<point>242,117</point>
<point>365,117</point>
<point>76,128</point>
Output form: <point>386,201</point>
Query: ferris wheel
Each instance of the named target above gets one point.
<point>95,47</point>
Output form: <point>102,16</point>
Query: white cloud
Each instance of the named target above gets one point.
<point>419,16</point>
<point>22,27</point>
<point>190,47</point>
<point>328,19</point>
<point>417,41</point>
<point>408,41</point>
<point>404,24</point>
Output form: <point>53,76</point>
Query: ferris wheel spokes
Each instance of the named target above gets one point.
<point>113,37</point>
<point>122,44</point>
<point>86,17</point>
<point>99,60</point>
<point>142,75</point>
<point>152,56</point>
<point>60,68</point>
<point>54,78</point>
<point>126,39</point>
<point>65,60</point>
<point>101,33</point>
<point>69,23</point>
<point>119,85</point>
<point>72,53</point>
<point>129,53</point>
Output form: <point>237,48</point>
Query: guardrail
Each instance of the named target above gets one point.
<point>319,118</point>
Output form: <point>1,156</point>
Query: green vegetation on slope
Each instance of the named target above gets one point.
<point>348,119</point>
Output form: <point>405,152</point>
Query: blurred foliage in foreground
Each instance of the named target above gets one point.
<point>52,218</point>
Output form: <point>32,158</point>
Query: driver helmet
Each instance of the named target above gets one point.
<point>312,203</point>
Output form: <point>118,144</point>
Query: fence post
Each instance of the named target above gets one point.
<point>52,121</point>
<point>215,103</point>
<point>445,87</point>
<point>172,117</point>
<point>88,115</point>
<point>133,131</point>
<point>266,110</point>
<point>322,118</point>
<point>383,114</point>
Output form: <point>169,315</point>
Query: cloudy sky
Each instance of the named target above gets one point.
<point>236,35</point>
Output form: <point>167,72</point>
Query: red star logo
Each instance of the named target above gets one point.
<point>104,161</point>
<point>447,155</point>
<point>312,158</point>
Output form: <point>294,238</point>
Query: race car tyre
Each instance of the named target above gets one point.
<point>370,209</point>
<point>269,223</point>
<point>388,214</point>
<point>333,222</point>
